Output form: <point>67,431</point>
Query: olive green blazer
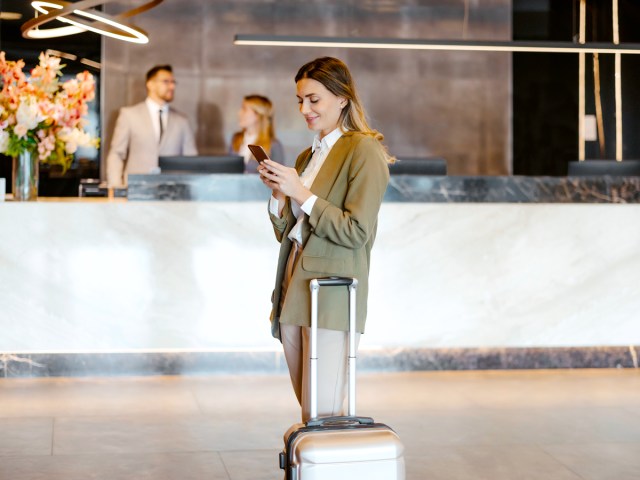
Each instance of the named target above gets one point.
<point>338,235</point>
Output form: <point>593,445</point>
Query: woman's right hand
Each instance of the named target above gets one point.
<point>284,180</point>
<point>275,191</point>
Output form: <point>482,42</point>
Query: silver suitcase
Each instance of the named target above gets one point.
<point>346,447</point>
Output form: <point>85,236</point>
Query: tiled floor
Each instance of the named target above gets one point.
<point>520,425</point>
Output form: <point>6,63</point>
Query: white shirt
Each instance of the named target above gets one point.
<point>321,149</point>
<point>155,119</point>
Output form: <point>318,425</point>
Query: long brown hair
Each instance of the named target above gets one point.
<point>266,132</point>
<point>335,76</point>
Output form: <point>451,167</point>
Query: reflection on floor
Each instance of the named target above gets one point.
<point>547,425</point>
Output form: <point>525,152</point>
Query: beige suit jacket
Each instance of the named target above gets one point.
<point>134,148</point>
<point>338,235</point>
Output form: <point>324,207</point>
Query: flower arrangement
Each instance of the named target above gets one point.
<point>41,114</point>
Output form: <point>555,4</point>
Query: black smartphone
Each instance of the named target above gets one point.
<point>258,152</point>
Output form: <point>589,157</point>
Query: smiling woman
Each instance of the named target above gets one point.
<point>325,215</point>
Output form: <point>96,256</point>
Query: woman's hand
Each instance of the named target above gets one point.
<point>277,194</point>
<point>284,181</point>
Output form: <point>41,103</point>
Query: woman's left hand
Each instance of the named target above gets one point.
<point>284,179</point>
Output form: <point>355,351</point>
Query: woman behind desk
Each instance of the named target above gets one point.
<point>255,118</point>
<point>325,214</point>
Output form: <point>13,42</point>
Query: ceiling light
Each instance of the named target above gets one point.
<point>81,18</point>
<point>91,63</point>
<point>10,16</point>
<point>419,44</point>
<point>58,53</point>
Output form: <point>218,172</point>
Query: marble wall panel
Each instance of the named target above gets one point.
<point>405,188</point>
<point>197,276</point>
<point>450,104</point>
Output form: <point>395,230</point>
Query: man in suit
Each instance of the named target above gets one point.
<point>148,130</point>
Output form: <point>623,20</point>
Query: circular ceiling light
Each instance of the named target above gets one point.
<point>81,18</point>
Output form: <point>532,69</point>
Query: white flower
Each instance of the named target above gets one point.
<point>20,130</point>
<point>4,141</point>
<point>74,138</point>
<point>28,113</point>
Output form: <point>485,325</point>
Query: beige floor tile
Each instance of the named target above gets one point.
<point>165,466</point>
<point>414,390</point>
<point>96,396</point>
<point>249,394</point>
<point>25,436</point>
<point>633,410</point>
<point>252,465</point>
<point>146,434</point>
<point>605,461</point>
<point>567,425</point>
<point>486,463</point>
<point>551,388</point>
<point>455,425</point>
<point>512,427</point>
<point>424,430</point>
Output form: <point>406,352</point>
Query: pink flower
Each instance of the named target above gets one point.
<point>71,87</point>
<point>45,147</point>
<point>43,108</point>
<point>20,130</point>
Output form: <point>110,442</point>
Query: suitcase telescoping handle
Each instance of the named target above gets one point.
<point>315,285</point>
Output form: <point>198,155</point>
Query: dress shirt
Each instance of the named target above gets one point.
<point>155,119</point>
<point>320,149</point>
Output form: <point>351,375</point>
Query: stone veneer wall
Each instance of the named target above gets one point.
<point>451,104</point>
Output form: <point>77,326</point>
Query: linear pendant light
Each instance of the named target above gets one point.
<point>419,44</point>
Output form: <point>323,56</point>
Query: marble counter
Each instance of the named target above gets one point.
<point>171,277</point>
<point>404,188</point>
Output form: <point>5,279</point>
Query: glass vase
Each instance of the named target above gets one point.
<point>25,176</point>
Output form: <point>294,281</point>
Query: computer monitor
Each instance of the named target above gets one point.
<point>587,168</point>
<point>201,164</point>
<point>418,166</point>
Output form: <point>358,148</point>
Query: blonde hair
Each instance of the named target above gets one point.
<point>335,76</point>
<point>266,132</point>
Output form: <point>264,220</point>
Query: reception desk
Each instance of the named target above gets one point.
<point>155,286</point>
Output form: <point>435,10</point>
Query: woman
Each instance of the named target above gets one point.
<point>324,213</point>
<point>255,118</point>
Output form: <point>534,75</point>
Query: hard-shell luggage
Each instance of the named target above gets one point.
<point>345,447</point>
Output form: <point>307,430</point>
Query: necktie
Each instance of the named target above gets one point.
<point>161,125</point>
